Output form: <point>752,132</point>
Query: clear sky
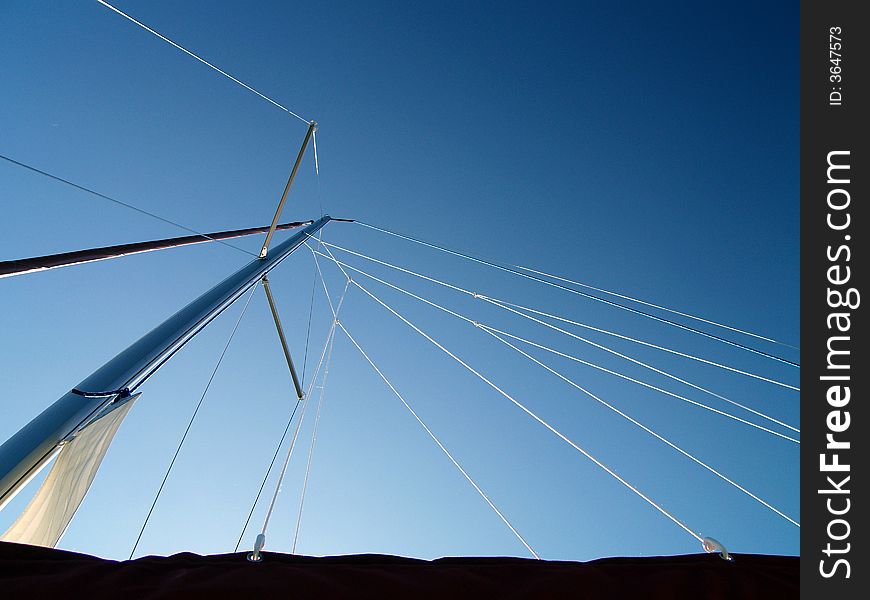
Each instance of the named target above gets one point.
<point>649,148</point>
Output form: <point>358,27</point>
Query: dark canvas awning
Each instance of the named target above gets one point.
<point>34,572</point>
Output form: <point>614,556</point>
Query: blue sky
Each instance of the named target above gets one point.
<point>649,149</point>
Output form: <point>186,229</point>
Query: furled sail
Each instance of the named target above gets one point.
<point>50,511</point>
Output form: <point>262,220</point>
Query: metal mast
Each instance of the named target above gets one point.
<point>24,453</point>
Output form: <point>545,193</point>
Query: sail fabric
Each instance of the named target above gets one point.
<point>50,511</point>
<point>31,572</point>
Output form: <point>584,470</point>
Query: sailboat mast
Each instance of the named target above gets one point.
<point>25,451</point>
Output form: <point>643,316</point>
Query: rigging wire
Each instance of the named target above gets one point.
<point>411,410</point>
<point>643,364</point>
<point>581,293</point>
<point>320,402</point>
<point>317,172</point>
<point>281,443</point>
<point>280,481</point>
<point>310,313</point>
<point>192,418</point>
<point>440,445</point>
<point>644,343</point>
<point>311,450</point>
<point>322,280</point>
<point>308,329</point>
<point>647,385</point>
<point>314,254</point>
<point>657,306</point>
<point>266,476</point>
<point>683,398</point>
<point>202,60</point>
<point>563,319</point>
<point>289,421</point>
<point>289,454</point>
<point>333,259</point>
<point>534,416</point>
<point>642,426</point>
<point>121,203</point>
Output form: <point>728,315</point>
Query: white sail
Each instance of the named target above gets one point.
<point>50,511</point>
